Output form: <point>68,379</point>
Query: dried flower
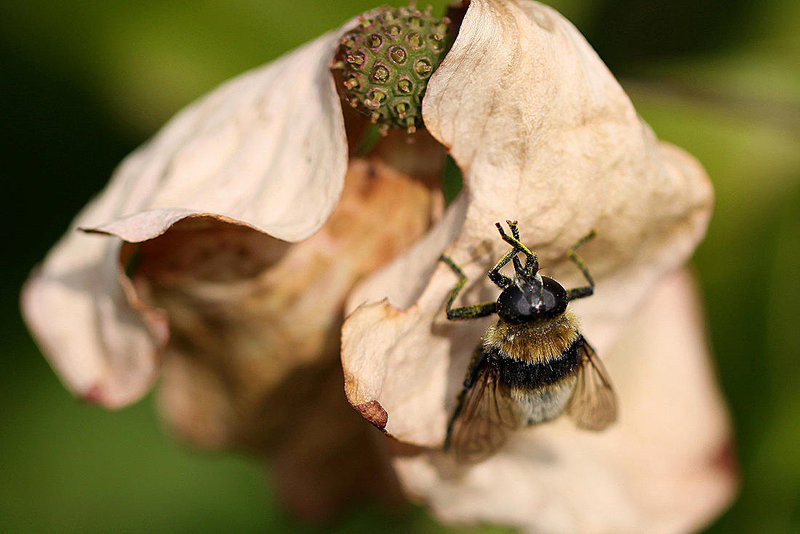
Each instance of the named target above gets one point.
<point>223,251</point>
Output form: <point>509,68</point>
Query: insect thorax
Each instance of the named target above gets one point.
<point>533,342</point>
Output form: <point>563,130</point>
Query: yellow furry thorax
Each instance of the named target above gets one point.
<point>536,341</point>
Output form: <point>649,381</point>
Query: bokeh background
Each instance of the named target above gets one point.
<point>82,83</point>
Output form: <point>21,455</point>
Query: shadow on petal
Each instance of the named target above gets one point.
<point>253,357</point>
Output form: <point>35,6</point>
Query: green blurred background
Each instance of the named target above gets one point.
<point>84,82</point>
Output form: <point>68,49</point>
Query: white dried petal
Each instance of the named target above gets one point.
<point>266,150</point>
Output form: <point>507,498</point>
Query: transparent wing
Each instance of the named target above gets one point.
<point>486,411</point>
<point>593,405</point>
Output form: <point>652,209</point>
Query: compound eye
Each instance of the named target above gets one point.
<point>513,307</point>
<point>554,298</point>
<point>549,301</point>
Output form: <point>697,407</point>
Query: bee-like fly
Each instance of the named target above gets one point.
<point>533,364</point>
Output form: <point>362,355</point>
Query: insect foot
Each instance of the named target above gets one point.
<point>387,61</point>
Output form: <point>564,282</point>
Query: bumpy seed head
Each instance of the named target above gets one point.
<point>386,62</point>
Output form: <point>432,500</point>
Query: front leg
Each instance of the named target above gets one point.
<point>499,279</point>
<point>464,312</point>
<point>531,263</point>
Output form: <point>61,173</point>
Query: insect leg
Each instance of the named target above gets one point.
<point>464,312</point>
<point>585,291</point>
<point>499,279</point>
<point>531,263</point>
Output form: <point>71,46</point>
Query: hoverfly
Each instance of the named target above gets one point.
<point>532,364</point>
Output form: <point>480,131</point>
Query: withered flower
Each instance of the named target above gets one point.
<point>225,253</point>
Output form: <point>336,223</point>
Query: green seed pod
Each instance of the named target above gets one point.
<point>386,63</point>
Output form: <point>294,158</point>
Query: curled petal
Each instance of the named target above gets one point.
<point>266,150</point>
<point>251,317</point>
<point>545,135</point>
<point>100,338</point>
<point>253,357</point>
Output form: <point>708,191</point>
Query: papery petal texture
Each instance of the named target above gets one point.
<point>266,150</point>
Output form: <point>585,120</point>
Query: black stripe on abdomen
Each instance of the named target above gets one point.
<point>522,373</point>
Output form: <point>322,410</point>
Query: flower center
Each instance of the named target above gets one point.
<point>386,63</point>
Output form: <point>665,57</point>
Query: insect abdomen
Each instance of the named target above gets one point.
<point>541,388</point>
